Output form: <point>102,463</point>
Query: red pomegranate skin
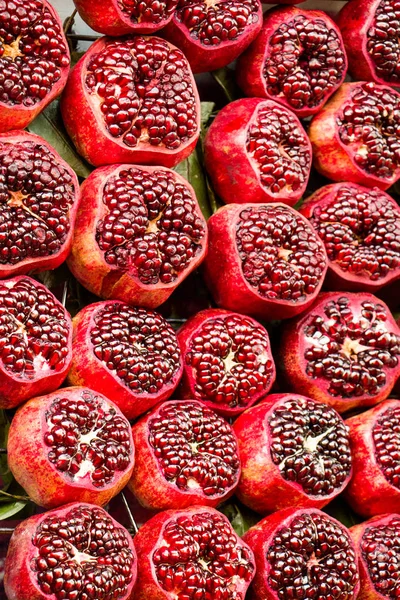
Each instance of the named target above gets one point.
<point>151,537</point>
<point>294,344</point>
<point>20,581</point>
<point>19,115</point>
<point>261,538</point>
<point>262,485</point>
<point>364,224</point>
<point>224,272</point>
<point>86,126</point>
<point>234,171</point>
<point>87,260</point>
<point>29,451</point>
<point>335,159</point>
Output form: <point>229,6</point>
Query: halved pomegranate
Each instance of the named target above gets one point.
<point>303,553</point>
<point>227,360</point>
<point>34,60</point>
<point>74,552</point>
<point>344,351</point>
<point>356,135</point>
<point>191,553</point>
<point>257,151</point>
<point>70,446</point>
<point>264,260</point>
<point>132,100</point>
<point>186,455</point>
<point>360,228</point>
<point>39,196</point>
<point>119,17</point>
<point>293,451</point>
<point>130,354</point>
<point>35,341</point>
<point>139,233</point>
<point>212,33</point>
<point>298,60</point>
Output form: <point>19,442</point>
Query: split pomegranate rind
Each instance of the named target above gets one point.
<point>139,233</point>
<point>132,100</point>
<point>34,60</point>
<point>77,551</point>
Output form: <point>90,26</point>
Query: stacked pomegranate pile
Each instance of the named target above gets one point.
<point>104,401</point>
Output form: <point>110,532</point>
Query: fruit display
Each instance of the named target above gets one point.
<point>199,300</point>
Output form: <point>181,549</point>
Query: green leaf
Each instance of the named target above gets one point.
<point>225,77</point>
<point>192,171</point>
<point>5,474</point>
<point>241,518</point>
<point>340,510</point>
<point>207,110</point>
<point>10,509</point>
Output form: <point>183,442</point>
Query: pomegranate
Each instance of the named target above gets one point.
<point>298,59</point>
<point>264,260</point>
<point>303,553</point>
<point>191,553</point>
<point>139,233</point>
<point>35,341</point>
<point>257,151</point>
<point>74,552</point>
<point>370,33</point>
<point>294,452</point>
<point>186,455</point>
<point>119,17</point>
<point>72,445</point>
<point>39,194</point>
<point>132,100</point>
<point>130,354</point>
<point>227,360</point>
<point>356,136</point>
<point>34,60</point>
<point>377,544</point>
<point>212,33</point>
<point>343,351</point>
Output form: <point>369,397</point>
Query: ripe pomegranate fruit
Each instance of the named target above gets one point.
<point>130,354</point>
<point>227,360</point>
<point>71,445</point>
<point>377,544</point>
<point>39,194</point>
<point>213,34</point>
<point>293,451</point>
<point>132,100</point>
<point>303,553</point>
<point>356,136</point>
<point>34,60</point>
<point>186,455</point>
<point>370,33</point>
<point>119,17</point>
<point>35,341</point>
<point>298,59</point>
<point>191,553</point>
<point>139,233</point>
<point>360,228</point>
<point>343,351</point>
<point>264,260</point>
<point>74,552</point>
<point>257,151</point>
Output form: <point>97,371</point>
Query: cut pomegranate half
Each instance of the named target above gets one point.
<point>356,135</point>
<point>186,455</point>
<point>294,452</point>
<point>130,354</point>
<point>227,360</point>
<point>34,60</point>
<point>264,260</point>
<point>343,351</point>
<point>193,552</point>
<point>132,100</point>
<point>74,552</point>
<point>268,147</point>
<point>303,553</point>
<point>139,233</point>
<point>35,341</point>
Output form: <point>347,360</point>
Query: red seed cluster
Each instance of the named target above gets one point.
<point>147,11</point>
<point>380,547</point>
<point>386,435</point>
<point>383,43</point>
